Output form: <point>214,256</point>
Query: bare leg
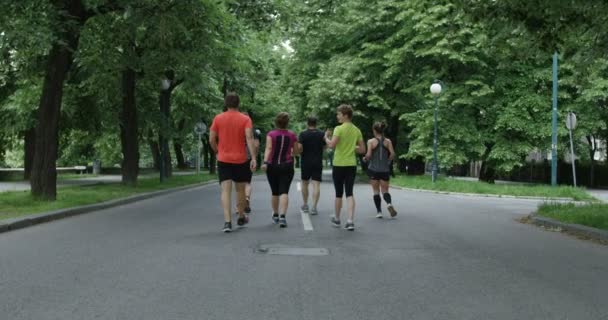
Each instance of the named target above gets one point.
<point>305,191</point>
<point>248,190</point>
<point>226,186</point>
<point>316,192</point>
<point>338,207</point>
<point>240,196</point>
<point>284,202</point>
<point>351,207</point>
<point>275,204</point>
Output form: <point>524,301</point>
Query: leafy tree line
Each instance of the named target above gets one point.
<point>82,79</point>
<point>494,61</point>
<point>126,80</point>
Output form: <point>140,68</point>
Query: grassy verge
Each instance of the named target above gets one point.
<point>20,203</point>
<point>453,185</point>
<point>591,215</point>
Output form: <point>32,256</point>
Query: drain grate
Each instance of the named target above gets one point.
<point>287,251</point>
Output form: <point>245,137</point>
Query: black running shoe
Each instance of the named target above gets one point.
<point>335,222</point>
<point>349,226</point>
<point>227,227</point>
<point>241,221</point>
<point>275,218</point>
<point>247,208</point>
<point>282,222</point>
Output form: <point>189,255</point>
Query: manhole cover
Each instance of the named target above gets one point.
<point>286,251</point>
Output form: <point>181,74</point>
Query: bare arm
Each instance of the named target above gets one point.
<point>213,140</point>
<point>360,149</point>
<point>267,152</point>
<point>389,146</point>
<point>331,143</point>
<point>370,147</point>
<point>252,148</point>
<point>297,149</point>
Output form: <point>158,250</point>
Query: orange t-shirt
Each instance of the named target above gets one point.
<point>230,128</point>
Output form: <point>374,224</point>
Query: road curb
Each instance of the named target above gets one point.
<point>484,195</point>
<point>24,222</point>
<point>576,229</point>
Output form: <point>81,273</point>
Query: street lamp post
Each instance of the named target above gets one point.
<point>165,84</point>
<point>436,91</point>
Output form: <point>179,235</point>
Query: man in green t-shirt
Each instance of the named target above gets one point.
<point>346,141</point>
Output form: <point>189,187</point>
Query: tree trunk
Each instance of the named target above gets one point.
<point>44,172</point>
<point>487,173</point>
<point>163,137</point>
<point>177,146</point>
<point>179,155</point>
<point>29,149</point>
<point>128,129</point>
<point>206,149</point>
<point>155,151</point>
<point>44,175</point>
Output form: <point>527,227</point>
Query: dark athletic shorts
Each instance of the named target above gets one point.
<point>232,171</point>
<point>375,175</point>
<point>313,172</point>
<point>280,177</point>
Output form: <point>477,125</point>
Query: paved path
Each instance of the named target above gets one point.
<point>108,178</point>
<point>445,257</point>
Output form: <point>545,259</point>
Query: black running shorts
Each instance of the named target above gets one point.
<point>313,172</point>
<point>237,172</point>
<point>375,175</point>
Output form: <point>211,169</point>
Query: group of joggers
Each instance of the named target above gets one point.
<point>236,143</point>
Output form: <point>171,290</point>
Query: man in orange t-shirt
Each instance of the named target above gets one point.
<point>229,132</point>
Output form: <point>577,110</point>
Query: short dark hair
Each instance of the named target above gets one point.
<point>282,120</point>
<point>232,100</point>
<point>312,121</point>
<point>346,109</point>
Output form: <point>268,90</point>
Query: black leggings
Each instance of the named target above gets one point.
<point>344,180</point>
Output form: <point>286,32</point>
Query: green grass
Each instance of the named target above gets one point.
<point>453,185</point>
<point>20,203</point>
<point>591,215</point>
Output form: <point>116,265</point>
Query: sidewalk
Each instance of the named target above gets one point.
<point>110,178</point>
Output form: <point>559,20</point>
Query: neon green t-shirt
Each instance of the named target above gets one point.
<point>344,155</point>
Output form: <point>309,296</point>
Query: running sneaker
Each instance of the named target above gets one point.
<point>335,222</point>
<point>304,209</point>
<point>314,211</point>
<point>275,218</point>
<point>392,210</point>
<point>241,221</point>
<point>379,215</point>
<point>349,226</point>
<point>227,227</point>
<point>282,222</point>
<point>247,207</point>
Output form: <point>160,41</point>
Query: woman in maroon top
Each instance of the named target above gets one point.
<point>278,164</point>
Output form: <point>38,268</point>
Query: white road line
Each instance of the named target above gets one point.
<point>305,216</point>
<point>306,222</point>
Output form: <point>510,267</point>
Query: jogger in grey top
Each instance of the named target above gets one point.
<point>380,155</point>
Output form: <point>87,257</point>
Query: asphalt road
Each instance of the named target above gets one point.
<point>445,257</point>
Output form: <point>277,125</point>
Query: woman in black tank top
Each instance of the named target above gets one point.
<point>380,155</point>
